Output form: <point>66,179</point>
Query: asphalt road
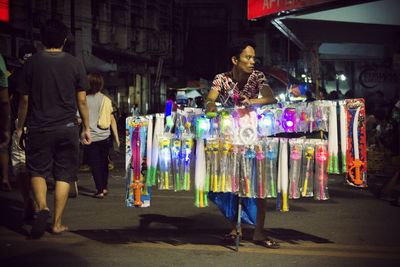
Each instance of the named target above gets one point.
<point>352,228</point>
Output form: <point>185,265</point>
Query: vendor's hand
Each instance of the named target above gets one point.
<point>211,107</point>
<point>245,100</point>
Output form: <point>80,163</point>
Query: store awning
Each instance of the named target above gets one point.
<point>95,64</point>
<point>361,28</point>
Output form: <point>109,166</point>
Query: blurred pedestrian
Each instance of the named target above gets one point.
<point>53,85</point>
<point>97,152</point>
<point>17,155</point>
<point>4,126</point>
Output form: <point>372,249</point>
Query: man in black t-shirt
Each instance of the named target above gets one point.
<point>53,85</point>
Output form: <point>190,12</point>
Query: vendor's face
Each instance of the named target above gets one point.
<point>246,62</point>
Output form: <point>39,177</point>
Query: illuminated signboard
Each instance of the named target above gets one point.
<point>4,11</point>
<point>261,8</point>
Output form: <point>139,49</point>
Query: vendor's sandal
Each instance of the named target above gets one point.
<point>268,243</point>
<point>39,225</point>
<point>231,238</point>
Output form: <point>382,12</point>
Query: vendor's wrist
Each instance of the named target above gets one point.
<point>209,102</point>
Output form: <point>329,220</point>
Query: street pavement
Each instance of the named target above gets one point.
<point>352,228</point>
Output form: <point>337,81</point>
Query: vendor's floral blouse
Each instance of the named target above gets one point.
<point>229,92</point>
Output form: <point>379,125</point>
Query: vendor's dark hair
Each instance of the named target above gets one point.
<point>236,48</point>
<point>53,33</point>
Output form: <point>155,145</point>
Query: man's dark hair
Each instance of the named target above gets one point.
<point>53,33</point>
<point>236,48</point>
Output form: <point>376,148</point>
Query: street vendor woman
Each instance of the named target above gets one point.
<point>242,86</point>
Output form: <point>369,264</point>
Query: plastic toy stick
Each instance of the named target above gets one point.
<point>137,185</point>
<point>188,145</point>
<point>357,164</point>
<point>282,184</point>
<point>168,115</point>
<point>295,155</point>
<point>200,171</point>
<point>208,168</point>
<point>215,170</point>
<point>271,155</point>
<point>245,179</point>
<point>176,151</point>
<point>149,147</point>
<point>261,175</point>
<point>250,156</point>
<point>311,118</point>
<point>308,154</point>
<point>165,158</point>
<point>226,147</point>
<point>343,135</point>
<point>285,176</point>
<point>333,166</point>
<point>234,161</point>
<point>158,130</point>
<point>322,157</point>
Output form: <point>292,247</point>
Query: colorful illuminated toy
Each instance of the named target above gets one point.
<point>289,120</point>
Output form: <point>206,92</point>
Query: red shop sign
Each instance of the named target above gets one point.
<point>261,8</point>
<point>4,11</point>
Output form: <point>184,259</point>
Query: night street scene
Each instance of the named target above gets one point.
<point>200,133</point>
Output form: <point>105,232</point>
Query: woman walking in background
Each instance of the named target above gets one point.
<point>98,151</point>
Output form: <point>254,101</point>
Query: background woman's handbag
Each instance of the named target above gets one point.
<point>106,109</point>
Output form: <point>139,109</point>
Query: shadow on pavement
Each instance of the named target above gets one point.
<point>46,257</point>
<point>12,215</point>
<point>176,231</point>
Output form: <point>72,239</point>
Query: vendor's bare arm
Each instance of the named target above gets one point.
<point>267,96</point>
<point>210,101</point>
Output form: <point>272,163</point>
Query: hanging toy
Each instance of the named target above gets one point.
<point>226,126</point>
<point>158,131</point>
<point>289,120</point>
<point>308,170</point>
<point>321,179</point>
<point>187,147</point>
<point>271,157</point>
<point>165,182</point>
<point>200,174</point>
<point>295,165</point>
<point>261,179</point>
<point>266,123</point>
<point>235,169</point>
<point>356,151</point>
<point>226,183</point>
<point>209,171</point>
<point>333,163</point>
<point>136,186</point>
<point>202,125</point>
<point>216,170</point>
<point>283,178</point>
<point>343,135</point>
<point>176,155</point>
